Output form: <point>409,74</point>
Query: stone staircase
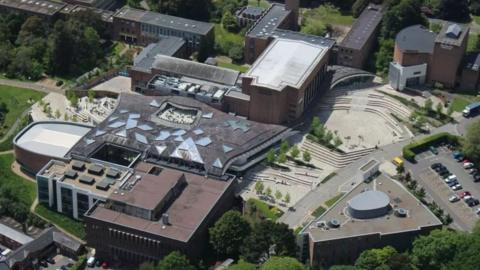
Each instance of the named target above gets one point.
<point>333,158</point>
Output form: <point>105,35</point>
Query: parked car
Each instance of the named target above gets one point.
<point>440,168</point>
<point>50,260</point>
<point>466,161</point>
<point>476,177</point>
<point>457,187</point>
<point>434,150</point>
<point>465,194</point>
<point>445,175</point>
<point>473,171</point>
<point>104,265</point>
<point>477,211</point>
<point>458,156</point>
<point>91,262</point>
<point>451,178</point>
<point>454,198</point>
<point>468,165</point>
<point>473,202</point>
<point>436,165</point>
<point>43,263</point>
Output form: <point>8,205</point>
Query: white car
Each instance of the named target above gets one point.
<point>454,198</point>
<point>451,178</point>
<point>457,187</point>
<point>477,211</point>
<point>468,165</point>
<point>466,198</point>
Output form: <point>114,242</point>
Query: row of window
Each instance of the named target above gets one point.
<point>134,239</point>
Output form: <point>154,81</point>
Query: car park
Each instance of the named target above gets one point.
<point>454,198</point>
<point>451,178</point>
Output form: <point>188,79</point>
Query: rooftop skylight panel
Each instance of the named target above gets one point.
<point>100,132</point>
<point>160,148</point>
<point>179,132</point>
<point>141,138</point>
<point>131,124</point>
<point>217,164</point>
<point>123,111</point>
<point>204,141</point>
<point>208,115</point>
<point>122,133</point>
<point>145,127</point>
<point>116,124</point>
<point>134,116</point>
<point>198,131</point>
<point>154,103</point>
<point>89,141</point>
<point>113,118</point>
<point>163,136</point>
<point>226,148</point>
<point>179,139</point>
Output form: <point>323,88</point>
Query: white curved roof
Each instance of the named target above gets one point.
<point>53,139</point>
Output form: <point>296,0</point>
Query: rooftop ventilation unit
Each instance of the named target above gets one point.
<point>165,219</point>
<point>333,223</point>
<point>401,212</point>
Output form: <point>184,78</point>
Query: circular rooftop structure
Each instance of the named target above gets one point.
<point>369,204</point>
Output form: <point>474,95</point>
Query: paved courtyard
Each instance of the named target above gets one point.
<point>119,84</point>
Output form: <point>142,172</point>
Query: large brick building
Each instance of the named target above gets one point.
<point>422,56</point>
<point>354,50</point>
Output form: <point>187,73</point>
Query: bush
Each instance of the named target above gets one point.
<point>411,150</point>
<point>59,83</point>
<point>358,7</point>
<point>236,53</point>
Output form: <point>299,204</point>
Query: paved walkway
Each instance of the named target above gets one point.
<point>345,180</point>
<point>31,85</point>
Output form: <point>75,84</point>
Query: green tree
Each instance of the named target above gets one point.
<point>228,233</point>
<point>278,195</point>
<point>400,169</point>
<point>439,108</point>
<point>242,265</point>
<point>259,187</point>
<point>264,236</point>
<point>57,114</point>
<point>236,52</point>
<point>282,158</point>
<point>373,258</point>
<point>287,198</point>
<point>337,142</point>
<point>271,156</point>
<point>306,156</point>
<point>384,56</point>
<point>91,95</point>
<point>405,14</point>
<point>174,261</point>
<point>358,7</point>
<point>268,192</point>
<point>282,263</point>
<point>146,266</point>
<point>450,111</point>
<point>294,152</point>
<point>454,10</point>
<point>134,3</point>
<point>344,267</point>
<point>471,145</point>
<point>284,146</point>
<point>428,105</point>
<point>229,22</point>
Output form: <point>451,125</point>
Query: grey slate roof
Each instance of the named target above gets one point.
<point>364,27</point>
<point>166,46</point>
<point>196,70</point>
<point>416,38</point>
<point>269,22</point>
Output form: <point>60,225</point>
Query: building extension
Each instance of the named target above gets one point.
<point>424,57</point>
<point>355,49</point>
<point>373,215</point>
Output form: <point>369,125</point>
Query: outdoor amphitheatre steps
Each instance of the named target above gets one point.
<point>333,158</point>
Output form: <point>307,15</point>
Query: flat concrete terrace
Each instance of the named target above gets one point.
<point>417,215</point>
<point>186,212</point>
<point>286,63</point>
<point>53,139</point>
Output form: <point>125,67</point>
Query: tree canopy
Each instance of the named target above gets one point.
<point>282,263</point>
<point>192,9</point>
<point>471,145</point>
<point>228,233</point>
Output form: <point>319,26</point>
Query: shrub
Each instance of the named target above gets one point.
<point>411,150</point>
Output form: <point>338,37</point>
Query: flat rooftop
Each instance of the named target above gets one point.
<point>53,139</point>
<point>448,28</point>
<point>286,62</point>
<point>269,22</point>
<point>43,7</point>
<point>418,215</point>
<point>15,235</point>
<point>186,213</point>
<point>60,171</point>
<point>165,21</point>
<point>364,27</point>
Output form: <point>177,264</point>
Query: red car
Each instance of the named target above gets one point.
<point>465,193</point>
<point>104,265</point>
<point>466,161</point>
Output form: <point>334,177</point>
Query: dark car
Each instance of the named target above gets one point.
<point>453,183</point>
<point>50,260</point>
<point>444,174</point>
<point>476,177</point>
<point>43,263</point>
<point>436,165</point>
<point>440,168</point>
<point>473,202</point>
<point>64,267</point>
<point>434,150</point>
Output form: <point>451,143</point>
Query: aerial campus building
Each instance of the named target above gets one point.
<point>373,215</point>
<point>424,57</point>
<point>149,179</point>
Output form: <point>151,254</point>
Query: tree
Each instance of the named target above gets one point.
<point>428,105</point>
<point>454,10</point>
<point>284,146</point>
<point>405,14</point>
<point>91,95</point>
<point>228,233</point>
<point>259,187</point>
<point>439,108</point>
<point>471,145</point>
<point>191,9</point>
<point>229,22</point>
<point>134,3</point>
<point>271,156</point>
<point>373,258</point>
<point>266,235</point>
<point>358,7</point>
<point>282,158</point>
<point>337,142</point>
<point>57,114</point>
<point>450,111</point>
<point>400,169</point>
<point>268,192</point>
<point>306,156</point>
<point>242,265</point>
<point>343,267</point>
<point>236,52</point>
<point>384,55</point>
<point>282,263</point>
<point>278,195</point>
<point>146,266</point>
<point>174,261</point>
<point>294,152</point>
<point>287,198</point>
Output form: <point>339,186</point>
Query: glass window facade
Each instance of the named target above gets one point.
<point>67,201</point>
<point>82,204</point>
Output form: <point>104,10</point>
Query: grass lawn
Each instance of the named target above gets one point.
<point>16,100</point>
<point>68,224</point>
<point>233,66</point>
<point>328,15</point>
<point>25,190</point>
<point>472,43</point>
<point>222,35</point>
<point>319,211</point>
<point>333,200</point>
<point>7,144</point>
<point>265,210</point>
<point>261,3</point>
<point>476,19</point>
<point>460,101</point>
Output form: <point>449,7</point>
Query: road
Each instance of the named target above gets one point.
<point>345,177</point>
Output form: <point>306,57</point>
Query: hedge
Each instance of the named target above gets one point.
<point>411,150</point>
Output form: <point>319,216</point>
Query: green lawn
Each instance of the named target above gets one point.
<point>460,101</point>
<point>265,210</point>
<point>328,15</point>
<point>319,211</point>
<point>24,190</point>
<point>222,35</point>
<point>7,144</point>
<point>261,3</point>
<point>68,224</point>
<point>333,200</point>
<point>233,66</point>
<point>16,100</point>
<point>472,43</point>
<point>476,19</point>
